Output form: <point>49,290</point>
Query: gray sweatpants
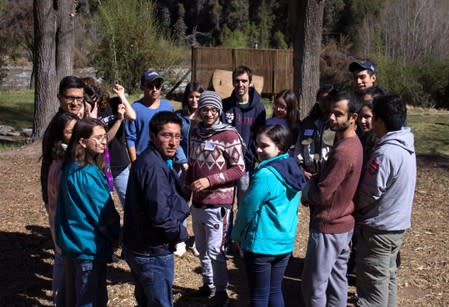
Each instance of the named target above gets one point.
<point>324,281</point>
<point>209,227</point>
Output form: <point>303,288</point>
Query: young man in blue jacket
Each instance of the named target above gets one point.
<point>154,214</point>
<point>244,110</point>
<point>384,203</point>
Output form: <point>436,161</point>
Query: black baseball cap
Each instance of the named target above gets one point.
<point>362,65</point>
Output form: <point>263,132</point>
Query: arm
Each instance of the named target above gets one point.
<point>322,193</point>
<point>118,122</point>
<point>162,201</point>
<point>129,111</point>
<point>233,152</point>
<point>131,136</point>
<point>257,194</point>
<point>374,182</point>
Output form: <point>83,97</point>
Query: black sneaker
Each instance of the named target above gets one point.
<point>220,299</point>
<point>204,291</point>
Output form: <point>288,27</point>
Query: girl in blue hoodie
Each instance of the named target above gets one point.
<point>87,225</point>
<point>265,226</point>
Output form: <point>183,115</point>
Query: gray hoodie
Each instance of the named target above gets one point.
<point>386,191</point>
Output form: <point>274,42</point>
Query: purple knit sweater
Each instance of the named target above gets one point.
<point>219,158</point>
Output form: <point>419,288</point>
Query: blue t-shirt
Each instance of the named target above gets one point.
<point>138,130</point>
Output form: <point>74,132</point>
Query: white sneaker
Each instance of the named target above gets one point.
<point>194,250</point>
<point>180,249</point>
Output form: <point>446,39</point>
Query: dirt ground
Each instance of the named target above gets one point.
<point>26,250</point>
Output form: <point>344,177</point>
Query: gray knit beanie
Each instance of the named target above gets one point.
<point>210,98</point>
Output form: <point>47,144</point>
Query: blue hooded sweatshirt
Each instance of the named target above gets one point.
<point>267,219</point>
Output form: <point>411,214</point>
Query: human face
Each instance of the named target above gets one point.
<point>167,139</point>
<point>265,148</point>
<point>241,86</point>
<point>366,119</point>
<point>324,103</point>
<point>96,143</point>
<point>72,100</point>
<point>152,90</point>
<point>68,130</point>
<point>192,100</point>
<point>280,108</point>
<point>209,115</point>
<point>364,80</point>
<point>339,118</point>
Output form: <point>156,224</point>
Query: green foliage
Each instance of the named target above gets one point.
<point>279,40</point>
<point>235,14</point>
<point>17,108</point>
<point>234,39</point>
<point>431,129</point>
<point>425,83</point>
<point>132,42</point>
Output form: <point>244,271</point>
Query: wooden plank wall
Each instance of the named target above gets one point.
<point>275,65</point>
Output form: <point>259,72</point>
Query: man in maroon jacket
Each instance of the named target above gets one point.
<point>330,197</point>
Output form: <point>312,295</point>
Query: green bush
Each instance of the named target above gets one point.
<point>132,42</point>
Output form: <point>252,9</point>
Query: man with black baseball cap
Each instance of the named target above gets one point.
<point>138,131</point>
<point>364,73</point>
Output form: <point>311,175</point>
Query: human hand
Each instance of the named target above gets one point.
<point>200,184</point>
<point>121,110</point>
<point>119,90</point>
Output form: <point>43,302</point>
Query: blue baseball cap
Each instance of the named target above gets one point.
<point>362,65</point>
<point>150,76</point>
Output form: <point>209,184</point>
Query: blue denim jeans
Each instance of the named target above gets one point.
<point>85,283</point>
<point>120,184</point>
<point>265,274</point>
<point>153,278</point>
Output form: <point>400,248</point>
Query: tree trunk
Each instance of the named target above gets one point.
<point>53,56</point>
<point>45,101</point>
<point>307,24</point>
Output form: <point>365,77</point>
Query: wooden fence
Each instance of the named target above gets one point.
<point>275,65</point>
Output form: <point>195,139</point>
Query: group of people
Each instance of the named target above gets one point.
<point>351,161</point>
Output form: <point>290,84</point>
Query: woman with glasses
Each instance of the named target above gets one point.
<point>215,163</point>
<point>286,112</point>
<point>112,112</point>
<point>87,225</point>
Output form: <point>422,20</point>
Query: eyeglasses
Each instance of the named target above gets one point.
<point>99,138</point>
<point>156,85</point>
<point>280,106</point>
<point>214,111</point>
<point>169,136</point>
<point>73,98</point>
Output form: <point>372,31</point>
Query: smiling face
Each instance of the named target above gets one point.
<point>280,108</point>
<point>193,99</point>
<point>72,100</point>
<point>365,119</point>
<point>265,147</point>
<point>209,115</point>
<point>68,131</point>
<point>96,143</point>
<point>363,79</point>
<point>167,139</point>
<point>241,86</point>
<point>152,90</point>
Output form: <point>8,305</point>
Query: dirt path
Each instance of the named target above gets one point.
<point>26,253</point>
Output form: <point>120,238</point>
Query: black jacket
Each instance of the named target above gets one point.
<point>154,209</point>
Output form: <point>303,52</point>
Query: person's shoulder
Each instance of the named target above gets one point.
<point>166,105</point>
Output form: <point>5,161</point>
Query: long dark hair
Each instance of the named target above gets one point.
<point>56,134</point>
<point>191,87</point>
<point>75,152</point>
<point>291,100</point>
